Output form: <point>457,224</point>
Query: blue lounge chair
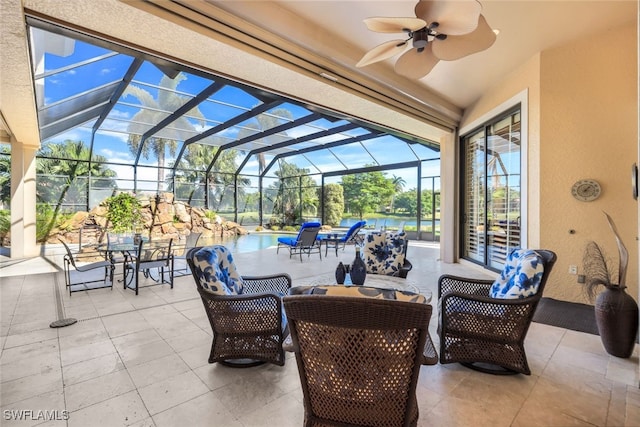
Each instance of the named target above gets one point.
<point>352,236</point>
<point>305,242</point>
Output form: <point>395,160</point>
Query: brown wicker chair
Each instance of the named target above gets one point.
<point>248,328</point>
<point>484,333</point>
<point>358,358</point>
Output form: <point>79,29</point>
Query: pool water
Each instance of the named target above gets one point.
<point>247,243</point>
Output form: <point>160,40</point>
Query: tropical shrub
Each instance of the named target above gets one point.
<point>124,212</point>
<point>333,204</point>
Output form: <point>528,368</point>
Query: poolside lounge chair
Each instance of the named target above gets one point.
<point>305,242</point>
<point>353,235</point>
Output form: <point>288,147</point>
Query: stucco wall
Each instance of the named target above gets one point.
<point>583,109</point>
<point>589,107</point>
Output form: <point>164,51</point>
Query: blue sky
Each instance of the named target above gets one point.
<point>76,70</point>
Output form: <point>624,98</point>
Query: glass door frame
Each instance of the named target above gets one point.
<point>485,129</point>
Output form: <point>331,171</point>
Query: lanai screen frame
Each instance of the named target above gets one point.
<point>90,112</point>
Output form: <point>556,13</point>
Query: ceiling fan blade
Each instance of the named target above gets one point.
<point>394,25</point>
<point>454,18</point>
<point>456,47</point>
<point>414,64</point>
<point>382,52</point>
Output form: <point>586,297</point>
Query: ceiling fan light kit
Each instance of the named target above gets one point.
<point>442,30</point>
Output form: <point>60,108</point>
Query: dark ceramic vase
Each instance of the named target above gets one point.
<point>341,273</point>
<point>617,320</point>
<point>358,269</point>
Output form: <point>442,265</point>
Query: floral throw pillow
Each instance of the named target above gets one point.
<point>520,277</point>
<point>384,252</point>
<point>217,272</point>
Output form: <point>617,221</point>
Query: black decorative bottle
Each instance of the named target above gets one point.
<point>341,273</point>
<point>358,269</point>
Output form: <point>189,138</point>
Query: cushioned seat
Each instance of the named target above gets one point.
<point>483,323</point>
<point>358,358</point>
<point>245,312</point>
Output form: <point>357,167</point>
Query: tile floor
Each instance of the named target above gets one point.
<point>142,361</point>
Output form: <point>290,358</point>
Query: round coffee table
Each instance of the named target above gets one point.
<point>374,280</point>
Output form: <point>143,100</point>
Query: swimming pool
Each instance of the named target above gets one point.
<point>247,243</point>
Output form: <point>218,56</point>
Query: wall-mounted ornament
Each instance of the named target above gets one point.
<point>634,180</point>
<point>586,190</point>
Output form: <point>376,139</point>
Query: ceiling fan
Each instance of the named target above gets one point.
<point>442,30</point>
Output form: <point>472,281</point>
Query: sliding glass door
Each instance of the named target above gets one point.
<point>491,191</point>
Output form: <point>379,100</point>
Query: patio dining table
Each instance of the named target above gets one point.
<point>130,248</point>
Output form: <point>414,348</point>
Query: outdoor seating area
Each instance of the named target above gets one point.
<point>147,358</point>
<point>160,159</point>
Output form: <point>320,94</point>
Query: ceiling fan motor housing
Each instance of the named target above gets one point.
<point>425,35</point>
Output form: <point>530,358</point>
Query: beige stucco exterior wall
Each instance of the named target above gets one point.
<point>582,123</point>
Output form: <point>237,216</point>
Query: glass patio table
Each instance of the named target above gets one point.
<point>372,280</point>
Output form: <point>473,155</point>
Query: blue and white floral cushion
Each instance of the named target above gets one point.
<point>384,252</point>
<point>520,277</point>
<point>217,272</point>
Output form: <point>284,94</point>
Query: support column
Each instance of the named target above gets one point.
<point>448,206</point>
<point>23,200</point>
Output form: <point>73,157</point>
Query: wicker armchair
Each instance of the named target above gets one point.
<point>485,333</point>
<point>245,312</point>
<point>358,358</point>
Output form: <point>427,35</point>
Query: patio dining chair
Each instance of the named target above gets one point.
<point>153,259</point>
<point>306,242</point>
<point>181,267</point>
<point>86,271</point>
<point>358,358</point>
<point>483,323</point>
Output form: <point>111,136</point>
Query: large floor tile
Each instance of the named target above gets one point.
<point>555,404</point>
<point>92,368</point>
<point>171,392</point>
<point>87,393</point>
<point>157,370</point>
<point>198,412</point>
<point>123,410</point>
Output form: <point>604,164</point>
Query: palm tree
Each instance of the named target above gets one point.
<point>69,160</point>
<point>263,122</point>
<point>152,112</point>
<point>398,185</point>
<point>198,157</point>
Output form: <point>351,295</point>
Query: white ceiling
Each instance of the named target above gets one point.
<point>526,28</point>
